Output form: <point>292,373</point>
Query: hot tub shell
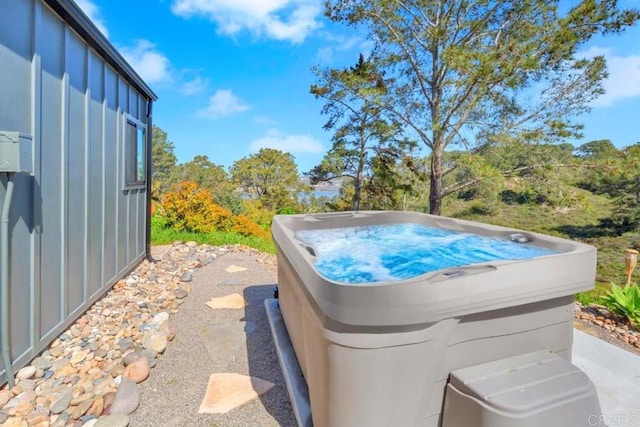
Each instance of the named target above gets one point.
<point>380,354</point>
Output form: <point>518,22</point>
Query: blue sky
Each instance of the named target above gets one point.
<point>233,75</point>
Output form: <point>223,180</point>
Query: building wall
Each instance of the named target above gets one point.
<point>75,228</point>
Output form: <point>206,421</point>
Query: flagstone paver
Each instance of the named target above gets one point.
<point>233,301</point>
<point>229,391</point>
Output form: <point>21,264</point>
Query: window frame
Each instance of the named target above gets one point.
<point>135,168</point>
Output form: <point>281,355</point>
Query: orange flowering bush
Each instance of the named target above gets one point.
<point>245,226</point>
<point>191,208</point>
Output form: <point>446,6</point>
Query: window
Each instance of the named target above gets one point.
<point>135,156</point>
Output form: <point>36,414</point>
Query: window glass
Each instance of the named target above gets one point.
<point>135,156</point>
<point>141,172</point>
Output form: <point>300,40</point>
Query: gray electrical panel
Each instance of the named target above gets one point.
<point>15,152</point>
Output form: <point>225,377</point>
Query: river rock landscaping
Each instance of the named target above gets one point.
<point>89,374</point>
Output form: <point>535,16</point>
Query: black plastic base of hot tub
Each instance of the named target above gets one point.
<point>293,378</point>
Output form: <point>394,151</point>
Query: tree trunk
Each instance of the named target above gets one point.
<point>435,187</point>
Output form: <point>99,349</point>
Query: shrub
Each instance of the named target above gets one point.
<point>190,208</point>
<point>625,301</point>
<point>257,212</point>
<point>246,227</point>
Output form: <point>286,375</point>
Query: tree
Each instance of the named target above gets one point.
<point>210,176</point>
<point>360,129</point>
<point>598,149</point>
<point>619,177</point>
<point>465,72</point>
<point>203,172</point>
<point>269,175</point>
<point>163,161</point>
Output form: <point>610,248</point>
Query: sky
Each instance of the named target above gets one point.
<point>233,76</point>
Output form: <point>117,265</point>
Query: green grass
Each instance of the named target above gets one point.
<point>161,235</point>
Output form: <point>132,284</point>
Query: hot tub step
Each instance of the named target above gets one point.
<point>296,385</point>
<point>533,389</point>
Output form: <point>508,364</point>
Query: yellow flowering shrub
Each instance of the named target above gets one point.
<point>245,226</point>
<point>191,208</point>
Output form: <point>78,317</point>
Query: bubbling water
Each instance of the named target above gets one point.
<point>381,253</point>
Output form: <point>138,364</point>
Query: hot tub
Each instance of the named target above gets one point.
<point>379,354</point>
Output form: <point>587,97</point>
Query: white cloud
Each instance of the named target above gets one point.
<point>340,43</point>
<point>291,20</point>
<point>624,76</point>
<point>148,62</point>
<point>223,103</point>
<point>195,86</point>
<point>265,121</point>
<point>287,143</point>
<point>93,13</point>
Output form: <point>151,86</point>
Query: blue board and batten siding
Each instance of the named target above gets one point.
<point>75,225</point>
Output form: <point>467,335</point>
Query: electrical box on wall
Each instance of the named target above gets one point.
<point>15,152</point>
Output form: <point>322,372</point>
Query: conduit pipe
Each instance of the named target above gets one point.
<point>4,282</point>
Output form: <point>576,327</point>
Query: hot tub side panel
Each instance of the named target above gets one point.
<point>390,382</point>
<point>379,368</point>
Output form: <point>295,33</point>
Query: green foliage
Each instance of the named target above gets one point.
<point>625,301</point>
<point>456,73</point>
<point>270,176</point>
<point>361,133</point>
<point>203,172</point>
<point>161,234</point>
<point>163,161</point>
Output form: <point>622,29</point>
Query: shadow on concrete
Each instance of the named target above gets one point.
<point>262,356</point>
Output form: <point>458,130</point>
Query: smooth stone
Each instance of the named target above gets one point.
<point>28,384</point>
<point>82,398</point>
<point>131,357</point>
<point>90,423</point>
<point>56,351</point>
<point>159,318</point>
<point>47,374</point>
<point>153,362</point>
<point>127,398</point>
<point>27,396</point>
<point>5,396</point>
<point>26,372</point>
<point>3,417</point>
<point>149,353</point>
<point>112,421</point>
<point>61,402</point>
<point>41,363</point>
<point>138,370</point>
<point>156,341</point>
<point>181,293</point>
<point>96,407</point>
<point>93,346</point>
<point>101,353</point>
<point>78,357</point>
<point>59,363</point>
<point>186,277</point>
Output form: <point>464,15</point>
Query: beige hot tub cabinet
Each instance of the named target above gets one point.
<point>381,354</point>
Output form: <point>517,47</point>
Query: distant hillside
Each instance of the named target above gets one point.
<point>580,223</point>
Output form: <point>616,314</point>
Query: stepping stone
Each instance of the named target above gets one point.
<point>230,282</point>
<point>235,269</point>
<point>234,301</point>
<point>229,391</point>
<point>223,340</point>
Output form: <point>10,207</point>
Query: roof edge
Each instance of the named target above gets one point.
<point>78,20</point>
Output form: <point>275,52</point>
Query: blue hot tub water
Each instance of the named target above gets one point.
<point>380,253</point>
